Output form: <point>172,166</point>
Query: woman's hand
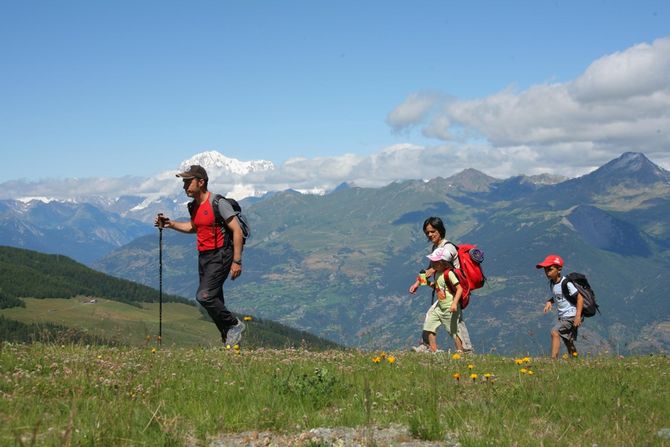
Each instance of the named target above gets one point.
<point>413,287</point>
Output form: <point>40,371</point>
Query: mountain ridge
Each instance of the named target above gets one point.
<point>340,265</point>
<point>140,198</point>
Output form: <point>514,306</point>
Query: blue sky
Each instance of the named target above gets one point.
<point>92,88</point>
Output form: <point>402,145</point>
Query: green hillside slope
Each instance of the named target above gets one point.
<point>53,298</point>
<point>111,322</point>
<point>27,273</point>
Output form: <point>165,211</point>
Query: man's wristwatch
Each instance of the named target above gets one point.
<point>237,261</point>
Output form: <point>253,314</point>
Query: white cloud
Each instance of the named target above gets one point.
<point>412,111</point>
<point>641,70</point>
<point>620,103</point>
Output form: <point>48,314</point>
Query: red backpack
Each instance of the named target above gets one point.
<point>470,275</point>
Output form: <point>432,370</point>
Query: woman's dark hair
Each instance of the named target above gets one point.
<point>436,223</point>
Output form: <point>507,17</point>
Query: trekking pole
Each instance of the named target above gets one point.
<point>160,280</point>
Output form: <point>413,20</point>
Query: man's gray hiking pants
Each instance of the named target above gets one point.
<point>213,268</point>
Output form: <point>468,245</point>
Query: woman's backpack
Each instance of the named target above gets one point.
<point>470,275</point>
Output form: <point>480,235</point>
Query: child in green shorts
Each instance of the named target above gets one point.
<point>447,308</point>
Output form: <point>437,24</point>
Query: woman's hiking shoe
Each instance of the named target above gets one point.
<point>421,348</point>
<point>235,334</point>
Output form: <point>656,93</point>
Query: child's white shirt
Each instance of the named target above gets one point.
<point>564,307</point>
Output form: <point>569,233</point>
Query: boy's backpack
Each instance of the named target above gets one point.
<point>218,219</point>
<point>582,285</point>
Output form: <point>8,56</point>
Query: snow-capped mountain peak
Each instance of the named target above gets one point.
<point>216,161</point>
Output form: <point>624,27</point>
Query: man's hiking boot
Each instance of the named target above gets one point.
<point>235,334</point>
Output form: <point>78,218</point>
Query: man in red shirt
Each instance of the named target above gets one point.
<point>217,257</point>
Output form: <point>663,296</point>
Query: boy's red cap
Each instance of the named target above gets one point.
<point>549,261</point>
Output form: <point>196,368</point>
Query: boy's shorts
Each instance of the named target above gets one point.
<point>566,328</point>
<point>436,317</point>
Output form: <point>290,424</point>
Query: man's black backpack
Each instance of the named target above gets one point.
<point>218,219</point>
<point>244,225</point>
<point>582,285</point>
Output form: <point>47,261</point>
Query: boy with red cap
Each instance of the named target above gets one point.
<point>569,315</point>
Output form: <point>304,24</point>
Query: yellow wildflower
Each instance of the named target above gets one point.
<point>530,372</point>
<point>456,376</point>
<point>456,356</point>
<point>390,359</point>
<point>518,361</point>
<point>487,376</point>
<point>376,359</point>
<point>248,318</point>
<point>526,359</point>
<point>471,366</point>
<point>574,354</point>
<point>473,376</point>
<point>523,370</point>
<point>153,350</point>
<point>236,347</point>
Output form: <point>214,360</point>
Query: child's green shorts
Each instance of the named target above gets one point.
<point>436,317</point>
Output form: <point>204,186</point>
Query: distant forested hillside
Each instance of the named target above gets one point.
<point>27,273</point>
<point>27,277</point>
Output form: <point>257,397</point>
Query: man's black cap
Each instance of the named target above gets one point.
<point>195,171</point>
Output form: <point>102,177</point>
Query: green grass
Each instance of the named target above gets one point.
<point>110,396</point>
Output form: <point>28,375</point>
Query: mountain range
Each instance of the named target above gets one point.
<point>86,218</point>
<point>339,264</point>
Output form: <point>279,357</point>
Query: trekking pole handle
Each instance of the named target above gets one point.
<point>162,221</point>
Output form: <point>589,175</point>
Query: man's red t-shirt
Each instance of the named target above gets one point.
<point>209,235</point>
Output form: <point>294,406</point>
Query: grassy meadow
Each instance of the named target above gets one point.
<point>54,394</point>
